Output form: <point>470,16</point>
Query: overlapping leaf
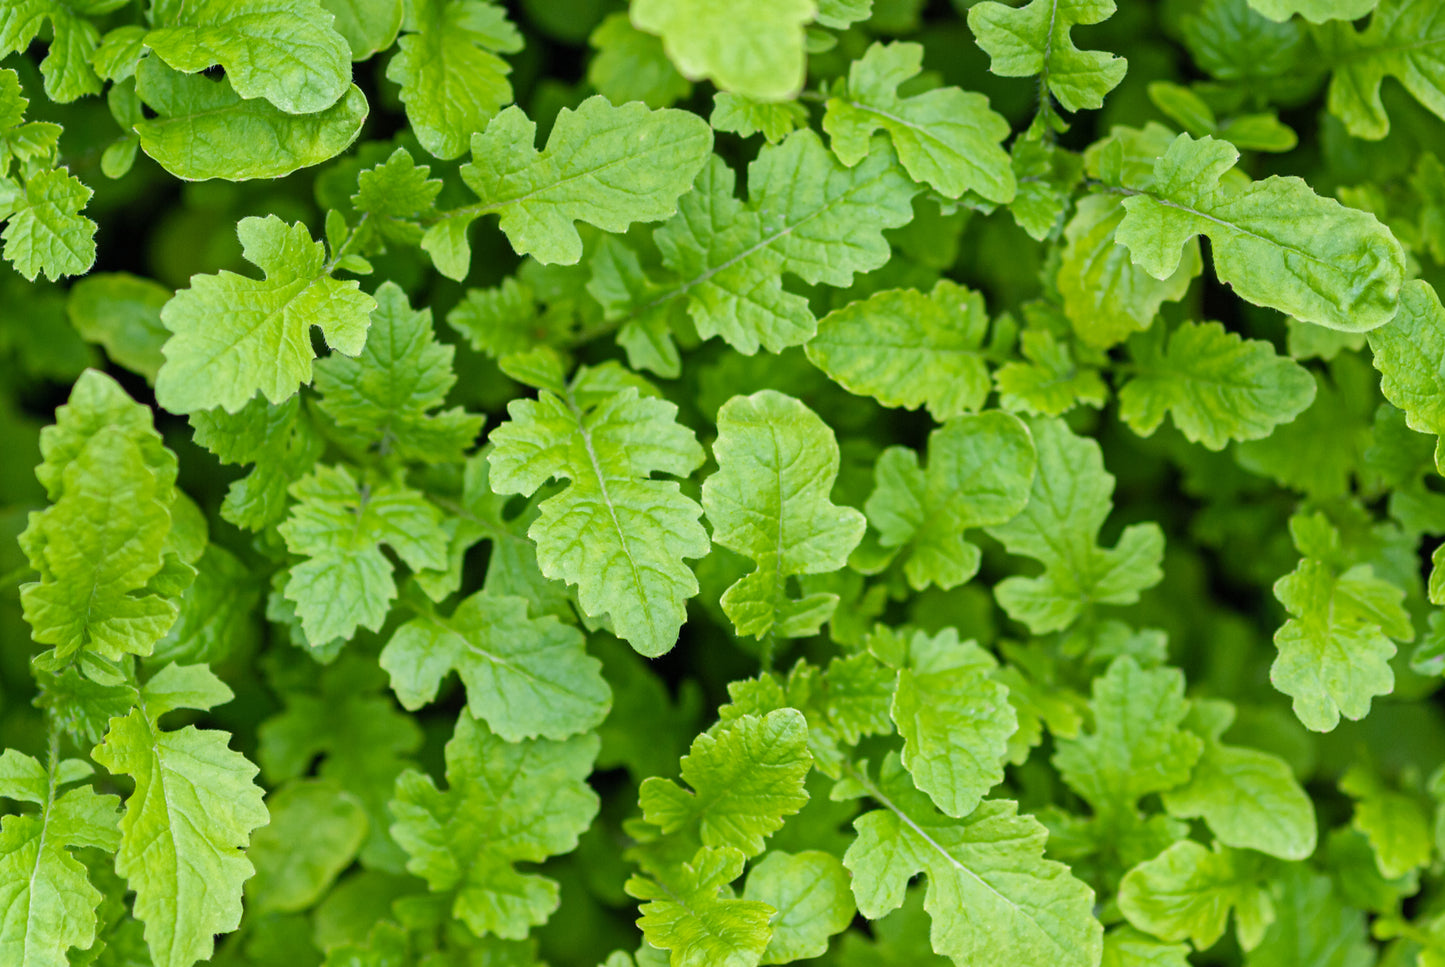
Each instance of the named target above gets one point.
<point>777,463</point>
<point>615,532</point>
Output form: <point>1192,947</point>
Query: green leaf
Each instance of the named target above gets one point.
<point>1334,650</point>
<point>505,803</point>
<point>1137,746</point>
<point>992,896</point>
<point>746,777</point>
<point>1409,352</point>
<point>284,52</point>
<point>73,39</point>
<point>1034,39</point>
<point>777,463</point>
<point>806,215</point>
<point>630,66</point>
<point>616,533</point>
<point>1315,11</point>
<point>280,440</point>
<point>1403,41</point>
<point>1312,927</point>
<point>1396,824</point>
<point>1050,380</point>
<point>1127,947</point>
<point>44,231</point>
<point>368,26</point>
<point>524,676</point>
<point>122,312</point>
<point>386,394</point>
<point>452,81</point>
<point>1060,528</point>
<point>315,830</point>
<point>946,138</point>
<point>754,47</point>
<point>810,892</point>
<point>907,349</point>
<point>603,165</point>
<point>204,129</point>
<point>1106,296</point>
<point>192,812</point>
<point>1217,386</point>
<point>1249,798</point>
<point>363,740</point>
<point>692,914</point>
<point>338,526</point>
<point>45,891</point>
<point>109,578</point>
<point>955,721</point>
<point>1276,242</point>
<point>980,468</point>
<point>744,116</point>
<point>234,336</point>
<point>1187,891</point>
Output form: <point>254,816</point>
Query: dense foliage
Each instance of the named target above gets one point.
<point>875,482</point>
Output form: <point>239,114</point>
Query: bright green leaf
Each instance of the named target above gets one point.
<point>754,47</point>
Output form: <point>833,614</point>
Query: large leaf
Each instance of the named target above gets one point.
<point>1276,242</point>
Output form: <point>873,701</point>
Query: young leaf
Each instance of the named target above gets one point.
<point>505,803</point>
<point>955,721</point>
<point>279,439</point>
<point>203,129</point>
<point>777,463</point>
<point>315,830</point>
<point>192,812</point>
<point>452,81</point>
<point>992,896</point>
<point>1335,649</point>
<point>946,138</point>
<point>806,214</point>
<point>1034,39</point>
<point>1106,296</point>
<point>44,231</point>
<point>48,898</point>
<point>122,312</point>
<point>284,52</point>
<point>980,468</point>
<point>603,165</point>
<point>72,43</point>
<point>234,337</point>
<point>1396,824</point>
<point>1249,798</point>
<point>1313,924</point>
<point>1187,891</point>
<point>691,913</point>
<point>811,895</point>
<point>363,740</point>
<point>617,534</point>
<point>1403,41</point>
<point>1218,386</point>
<point>754,48</point>
<point>1409,352</point>
<point>109,577</point>
<point>745,778</point>
<point>908,349</point>
<point>1137,746</point>
<point>1060,528</point>
<point>339,527</point>
<point>386,394</point>
<point>524,676</point>
<point>1276,242</point>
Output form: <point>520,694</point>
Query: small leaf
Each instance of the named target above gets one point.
<point>1034,39</point>
<point>810,892</point>
<point>1187,891</point>
<point>777,463</point>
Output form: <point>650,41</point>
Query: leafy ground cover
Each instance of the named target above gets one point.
<point>863,482</point>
